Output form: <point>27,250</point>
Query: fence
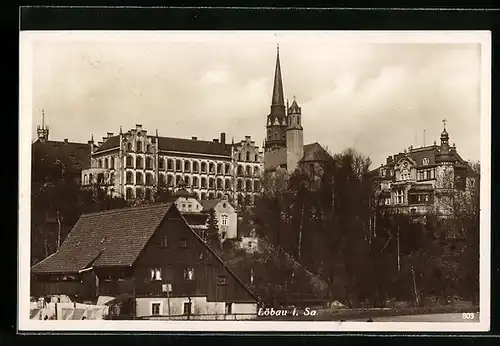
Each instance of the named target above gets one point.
<point>198,317</point>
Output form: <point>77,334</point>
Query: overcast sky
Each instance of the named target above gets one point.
<point>376,98</point>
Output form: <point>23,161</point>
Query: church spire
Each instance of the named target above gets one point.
<point>278,97</point>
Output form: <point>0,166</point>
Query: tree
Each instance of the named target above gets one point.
<point>212,234</point>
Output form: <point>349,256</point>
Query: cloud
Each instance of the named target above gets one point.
<point>377,98</point>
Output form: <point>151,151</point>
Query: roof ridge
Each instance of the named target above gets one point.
<point>111,211</point>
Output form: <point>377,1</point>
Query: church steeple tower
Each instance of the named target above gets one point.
<point>42,131</point>
<point>276,120</point>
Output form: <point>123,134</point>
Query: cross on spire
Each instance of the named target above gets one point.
<point>444,123</point>
<point>294,97</point>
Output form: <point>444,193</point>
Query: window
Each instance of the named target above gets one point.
<point>149,179</point>
<point>170,180</point>
<point>382,172</point>
<point>224,219</point>
<point>183,242</point>
<point>240,170</point>
<point>425,161</point>
<point>112,178</point>
<point>148,195</point>
<point>183,206</point>
<point>164,242</point>
<point>195,167</point>
<point>138,162</point>
<point>227,169</point>
<point>190,207</point>
<point>219,183</point>
<point>178,165</point>
<point>399,197</point>
<point>189,274</point>
<point>248,171</point>
<point>219,168</point>
<point>187,166</point>
<point>170,164</point>
<point>211,167</point>
<point>99,163</point>
<point>426,198</point>
<point>256,185</point>
<point>227,184</point>
<point>211,183</point>
<point>148,148</point>
<point>203,167</point>
<point>221,280</point>
<point>121,275</point>
<point>187,308</point>
<point>138,178</point>
<point>248,156</point>
<point>129,193</point>
<point>256,157</point>
<point>139,146</point>
<point>187,180</point>
<point>229,308</point>
<point>112,163</point>
<point>149,163</point>
<point>106,163</point>
<point>256,171</point>
<point>195,181</point>
<point>405,174</point>
<point>155,308</point>
<point>161,179</point>
<point>129,146</point>
<point>392,172</point>
<point>155,274</point>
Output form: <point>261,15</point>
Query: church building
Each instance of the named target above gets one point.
<point>284,145</point>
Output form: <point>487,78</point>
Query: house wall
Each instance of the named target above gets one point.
<point>231,229</point>
<point>184,251</point>
<point>188,204</point>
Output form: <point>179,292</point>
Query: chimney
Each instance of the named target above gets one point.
<point>389,159</point>
<point>194,138</point>
<point>104,139</point>
<point>99,144</point>
<point>248,137</point>
<point>216,140</point>
<point>65,140</point>
<point>110,134</point>
<point>138,126</point>
<point>223,137</point>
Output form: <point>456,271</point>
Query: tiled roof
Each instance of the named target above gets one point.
<point>177,144</point>
<point>60,150</point>
<point>110,143</point>
<point>312,152</point>
<point>209,204</point>
<point>114,237</point>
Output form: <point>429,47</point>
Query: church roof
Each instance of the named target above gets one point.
<point>313,152</point>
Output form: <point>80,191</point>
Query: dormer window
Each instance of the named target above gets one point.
<point>382,172</point>
<point>425,161</point>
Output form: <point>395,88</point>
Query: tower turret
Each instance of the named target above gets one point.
<point>294,137</point>
<point>276,120</point>
<point>43,130</point>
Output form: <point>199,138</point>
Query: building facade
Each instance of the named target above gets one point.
<point>421,180</point>
<point>135,163</point>
<point>149,254</point>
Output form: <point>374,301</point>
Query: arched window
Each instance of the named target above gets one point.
<point>240,170</point>
<point>248,156</point>
<point>240,185</point>
<point>203,183</point>
<point>138,178</point>
<point>138,162</point>
<point>196,167</point>
<point>106,163</point>
<point>211,183</point>
<point>227,169</point>
<point>130,178</point>
<point>139,146</point>
<point>178,180</point>
<point>139,193</point>
<point>100,178</point>
<point>85,179</point>
<point>178,165</point>
<point>211,195</point>
<point>112,162</point>
<point>170,164</point>
<point>203,196</point>
<point>219,184</point>
<point>148,148</point>
<point>256,185</point>
<point>149,163</point>
<point>219,168</point>
<point>170,180</point>
<point>129,193</point>
<point>187,181</point>
<point>239,156</point>
<point>187,166</point>
<point>256,171</point>
<point>162,180</point>
<point>249,185</point>
<point>195,182</point>
<point>99,163</point>
<point>248,170</point>
<point>227,184</point>
<point>161,164</point>
<point>130,161</point>
<point>129,146</point>
<point>112,178</point>
<point>240,199</point>
<point>219,195</point>
<point>211,167</point>
<point>224,220</point>
<point>149,179</point>
<point>256,158</point>
<point>203,167</point>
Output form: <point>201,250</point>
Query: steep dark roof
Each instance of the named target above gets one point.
<point>114,237</point>
<point>209,204</point>
<point>313,152</point>
<point>177,144</point>
<point>79,153</point>
<point>110,143</point>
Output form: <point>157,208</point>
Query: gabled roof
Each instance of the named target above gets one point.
<point>208,204</point>
<point>313,152</point>
<point>79,153</point>
<point>177,144</point>
<point>114,237</point>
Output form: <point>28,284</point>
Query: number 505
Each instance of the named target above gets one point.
<point>468,316</point>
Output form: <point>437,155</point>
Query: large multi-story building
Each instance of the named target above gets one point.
<point>419,180</point>
<point>134,163</point>
<point>284,144</point>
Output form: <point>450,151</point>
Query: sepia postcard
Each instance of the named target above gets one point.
<point>217,181</point>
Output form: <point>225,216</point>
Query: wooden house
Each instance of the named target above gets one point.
<point>151,254</point>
